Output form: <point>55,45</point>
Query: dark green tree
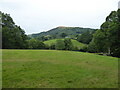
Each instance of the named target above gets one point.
<point>13,37</point>
<point>63,35</point>
<point>60,45</point>
<point>85,37</point>
<point>52,46</point>
<point>68,44</point>
<point>35,44</point>
<point>92,48</point>
<point>107,39</point>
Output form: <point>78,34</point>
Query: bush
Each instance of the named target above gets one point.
<point>84,49</point>
<point>92,48</point>
<point>75,48</point>
<point>35,44</point>
<point>52,46</point>
<point>68,44</point>
<point>60,45</point>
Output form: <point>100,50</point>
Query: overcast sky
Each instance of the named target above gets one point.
<point>35,16</point>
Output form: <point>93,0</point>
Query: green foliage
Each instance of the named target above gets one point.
<point>75,48</point>
<point>63,35</point>
<point>100,41</point>
<point>35,44</point>
<point>60,45</point>
<point>107,39</point>
<point>86,37</point>
<point>52,46</point>
<point>84,49</point>
<point>92,47</point>
<point>44,38</point>
<point>13,37</point>
<point>68,44</point>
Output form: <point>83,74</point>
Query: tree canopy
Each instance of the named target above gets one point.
<point>13,37</point>
<point>107,39</point>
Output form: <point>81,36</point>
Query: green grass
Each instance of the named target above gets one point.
<point>50,42</point>
<point>58,69</point>
<point>75,43</point>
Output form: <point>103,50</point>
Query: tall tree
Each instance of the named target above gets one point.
<point>68,44</point>
<point>107,39</point>
<point>13,37</point>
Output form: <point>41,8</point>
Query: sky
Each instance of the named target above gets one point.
<point>35,16</point>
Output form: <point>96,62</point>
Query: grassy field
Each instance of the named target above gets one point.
<point>58,69</point>
<point>75,43</point>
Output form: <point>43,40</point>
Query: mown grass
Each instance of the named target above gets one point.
<point>58,69</point>
<point>74,42</point>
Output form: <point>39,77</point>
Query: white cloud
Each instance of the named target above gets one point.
<point>39,15</point>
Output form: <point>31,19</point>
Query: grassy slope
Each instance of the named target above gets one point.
<point>78,44</point>
<point>75,43</point>
<point>61,69</point>
<point>49,42</point>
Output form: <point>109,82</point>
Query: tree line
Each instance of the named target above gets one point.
<point>105,40</point>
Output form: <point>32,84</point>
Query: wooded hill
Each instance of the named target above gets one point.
<point>62,31</point>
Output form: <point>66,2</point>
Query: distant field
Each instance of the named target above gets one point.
<point>75,43</point>
<point>58,69</point>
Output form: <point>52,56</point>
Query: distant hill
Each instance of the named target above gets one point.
<point>56,32</point>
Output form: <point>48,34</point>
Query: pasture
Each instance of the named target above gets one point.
<point>58,69</point>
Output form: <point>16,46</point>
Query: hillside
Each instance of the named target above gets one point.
<point>58,69</point>
<point>70,31</point>
<point>74,42</point>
